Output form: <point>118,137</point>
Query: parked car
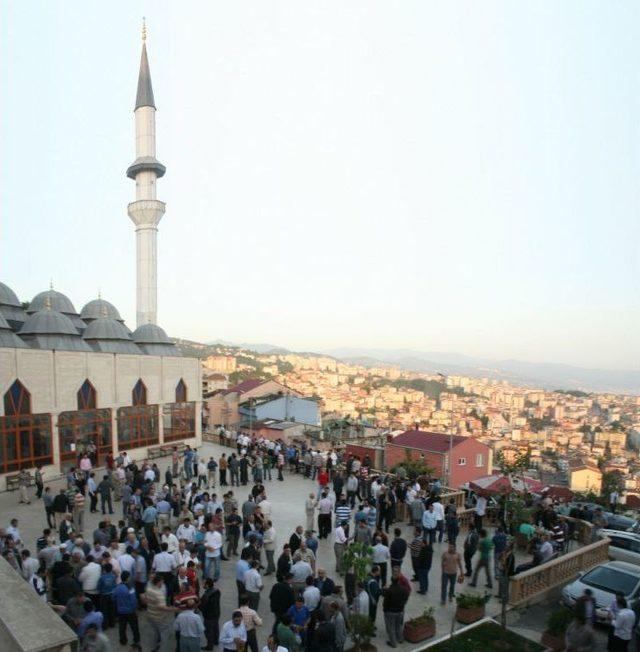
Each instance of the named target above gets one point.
<point>625,546</point>
<point>614,521</point>
<point>604,581</point>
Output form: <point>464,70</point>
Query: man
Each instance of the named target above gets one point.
<point>300,571</point>
<point>282,596</point>
<point>253,585</point>
<point>126,605</point>
<point>623,620</point>
<point>546,549</point>
<point>429,524</point>
<point>296,539</point>
<point>380,556</point>
<point>325,507</point>
<point>213,548</point>
<point>499,546</point>
<point>470,546</point>
<point>374,590</point>
<point>423,566</point>
<point>269,545</point>
<point>613,501</point>
<point>438,510</point>
<point>361,600</point>
<point>394,599</point>
<point>506,568</point>
<point>95,641</point>
<point>479,512</point>
<point>234,633</point>
<point>339,545</point>
<point>310,509</point>
<point>485,546</point>
<point>104,490</point>
<point>189,626</point>
<point>92,617</point>
<point>210,609</point>
<point>251,620</point>
<point>159,615</point>
<point>398,548</point>
<point>451,564</point>
<point>242,566</point>
<point>164,564</point>
<point>311,595</point>
<point>283,565</point>
<point>325,584</point>
<point>186,531</point>
<point>78,510</point>
<point>24,480</point>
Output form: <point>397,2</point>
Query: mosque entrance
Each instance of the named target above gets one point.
<point>84,432</point>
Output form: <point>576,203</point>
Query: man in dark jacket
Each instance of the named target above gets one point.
<point>470,547</point>
<point>284,564</point>
<point>395,597</point>
<point>281,598</point>
<point>210,608</point>
<point>398,548</point>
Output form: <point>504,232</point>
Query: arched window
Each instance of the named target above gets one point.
<point>17,400</point>
<point>138,424</point>
<point>25,438</point>
<point>139,394</point>
<point>179,417</point>
<point>181,392</point>
<point>87,397</point>
<point>85,430</point>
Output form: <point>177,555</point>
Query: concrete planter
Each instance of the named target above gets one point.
<point>419,629</point>
<point>468,615</point>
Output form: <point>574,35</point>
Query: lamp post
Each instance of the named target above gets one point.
<point>450,463</point>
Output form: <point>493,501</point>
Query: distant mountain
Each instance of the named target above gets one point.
<point>261,348</point>
<point>546,375</point>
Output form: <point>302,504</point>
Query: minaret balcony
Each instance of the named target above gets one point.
<point>146,164</point>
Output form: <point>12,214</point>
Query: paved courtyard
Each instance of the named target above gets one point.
<point>287,499</point>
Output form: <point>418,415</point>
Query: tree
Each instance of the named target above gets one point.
<point>612,481</point>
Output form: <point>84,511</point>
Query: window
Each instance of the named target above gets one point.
<point>479,459</point>
<point>181,392</point>
<point>86,430</point>
<point>25,438</point>
<point>137,426</point>
<point>179,421</point>
<point>139,394</point>
<point>619,542</point>
<point>462,461</point>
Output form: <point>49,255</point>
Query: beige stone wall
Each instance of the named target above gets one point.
<point>54,377</point>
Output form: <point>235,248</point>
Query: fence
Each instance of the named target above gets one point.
<point>535,581</point>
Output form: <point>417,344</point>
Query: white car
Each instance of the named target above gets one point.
<point>604,581</point>
<point>624,546</point>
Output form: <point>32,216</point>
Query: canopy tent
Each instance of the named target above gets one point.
<point>502,484</point>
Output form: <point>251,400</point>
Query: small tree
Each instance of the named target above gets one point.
<point>358,560</point>
<point>612,481</point>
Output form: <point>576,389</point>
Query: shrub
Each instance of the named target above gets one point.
<point>472,600</point>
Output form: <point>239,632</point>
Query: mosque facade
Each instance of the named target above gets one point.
<point>74,382</point>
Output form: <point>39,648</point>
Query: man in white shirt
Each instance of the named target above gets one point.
<point>253,585</point>
<point>438,510</point>
<point>265,506</point>
<point>623,623</point>
<point>213,545</point>
<point>339,544</point>
<point>546,549</point>
<point>380,557</point>
<point>182,555</point>
<point>233,632</point>
<point>300,571</point>
<point>309,510</point>
<point>325,507</point>
<point>163,562</point>
<point>186,531</point>
<point>480,511</point>
<point>127,562</point>
<point>170,539</point>
<point>149,475</point>
<point>311,595</point>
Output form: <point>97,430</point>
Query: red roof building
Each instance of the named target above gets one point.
<point>471,458</point>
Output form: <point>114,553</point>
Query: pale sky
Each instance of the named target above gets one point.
<point>440,176</point>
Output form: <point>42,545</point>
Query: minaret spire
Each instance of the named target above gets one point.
<point>146,212</point>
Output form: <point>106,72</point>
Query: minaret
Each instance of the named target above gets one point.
<point>146,211</point>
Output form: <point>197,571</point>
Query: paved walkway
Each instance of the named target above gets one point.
<point>287,499</point>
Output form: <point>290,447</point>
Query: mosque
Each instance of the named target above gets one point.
<point>83,382</point>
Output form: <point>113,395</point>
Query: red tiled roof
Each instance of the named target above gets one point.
<point>432,442</point>
<point>246,385</point>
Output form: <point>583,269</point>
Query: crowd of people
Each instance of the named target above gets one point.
<point>178,532</point>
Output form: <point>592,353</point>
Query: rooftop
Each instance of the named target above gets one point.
<point>431,442</point>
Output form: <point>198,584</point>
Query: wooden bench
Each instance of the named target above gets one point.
<point>13,481</point>
<point>165,449</point>
<point>155,452</point>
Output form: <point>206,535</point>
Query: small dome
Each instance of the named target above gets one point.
<point>8,296</point>
<point>99,308</point>
<point>150,334</point>
<point>106,329</point>
<point>8,338</point>
<point>52,299</point>
<point>48,322</point>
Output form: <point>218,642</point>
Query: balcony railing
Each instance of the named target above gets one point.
<point>535,581</point>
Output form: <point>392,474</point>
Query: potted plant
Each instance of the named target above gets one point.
<point>362,629</point>
<point>470,607</point>
<point>557,623</point>
<point>421,627</point>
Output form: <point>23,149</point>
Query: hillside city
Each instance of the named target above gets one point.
<point>571,437</point>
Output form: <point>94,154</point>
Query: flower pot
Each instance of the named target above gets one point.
<point>419,629</point>
<point>468,615</point>
<point>554,642</point>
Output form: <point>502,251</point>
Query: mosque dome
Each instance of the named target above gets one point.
<point>8,297</point>
<point>11,308</point>
<point>154,341</point>
<point>110,336</point>
<point>7,337</point>
<point>52,299</point>
<point>50,329</point>
<point>99,308</point>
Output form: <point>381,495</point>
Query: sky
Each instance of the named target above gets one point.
<point>439,176</point>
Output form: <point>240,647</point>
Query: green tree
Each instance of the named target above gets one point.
<point>612,481</point>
